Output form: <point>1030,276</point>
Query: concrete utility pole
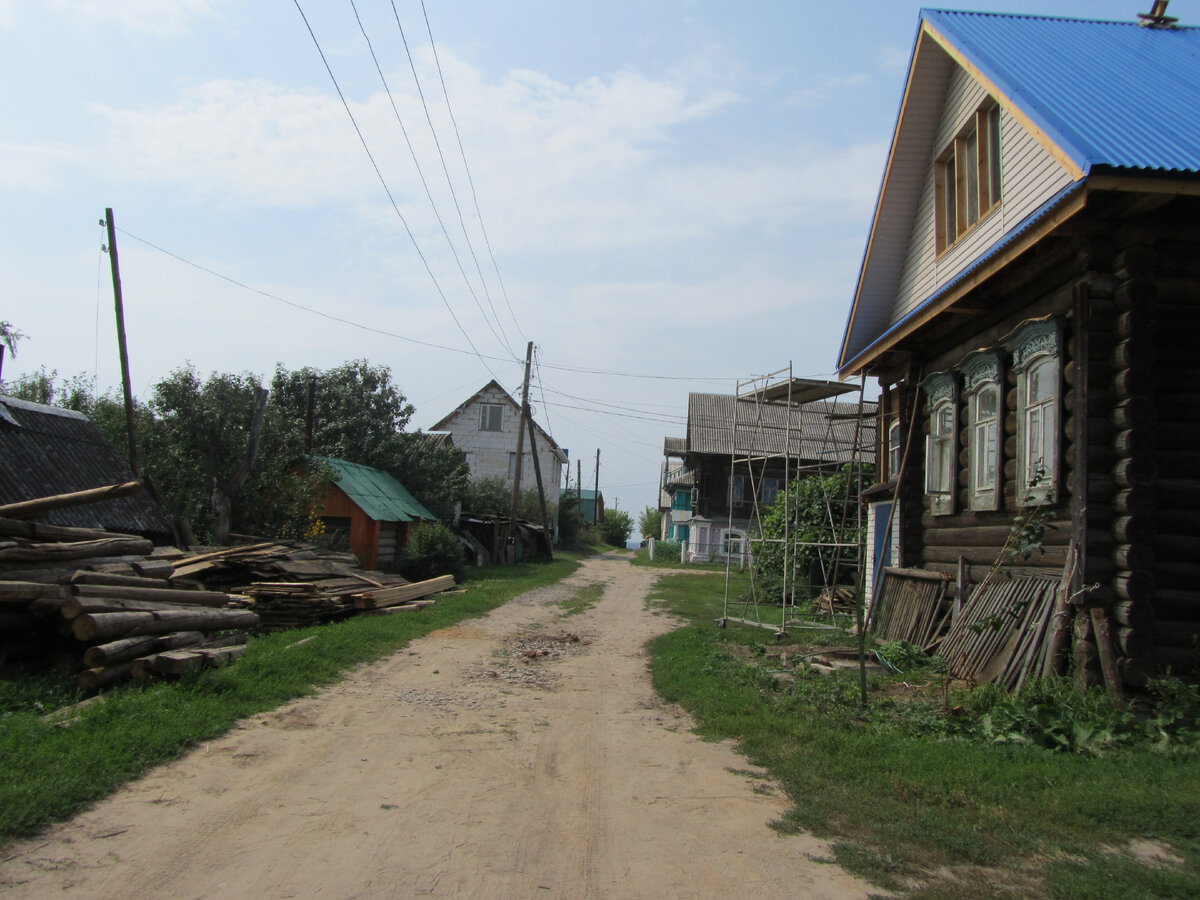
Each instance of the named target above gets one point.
<point>516,491</point>
<point>121,348</point>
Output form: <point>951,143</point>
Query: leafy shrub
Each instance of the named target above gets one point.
<point>433,550</point>
<point>617,527</point>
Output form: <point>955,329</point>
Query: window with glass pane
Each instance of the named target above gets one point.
<point>491,417</point>
<point>985,440</point>
<point>893,449</point>
<point>1040,392</point>
<point>770,490</point>
<point>967,176</point>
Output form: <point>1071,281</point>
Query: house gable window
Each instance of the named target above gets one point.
<point>1037,350</point>
<point>967,176</point>
<point>981,386</point>
<point>940,475</point>
<point>491,417</point>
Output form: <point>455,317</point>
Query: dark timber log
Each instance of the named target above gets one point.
<point>1134,556</point>
<point>78,606</point>
<point>112,580</point>
<point>1133,614</point>
<point>1136,412</point>
<point>61,552</point>
<point>156,594</point>
<point>37,531</point>
<point>109,626</point>
<point>1133,529</point>
<point>131,648</point>
<point>1135,503</point>
<point>1137,584</point>
<point>94,679</point>
<point>1134,472</point>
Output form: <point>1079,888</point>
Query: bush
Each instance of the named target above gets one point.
<point>617,527</point>
<point>570,520</point>
<point>433,550</point>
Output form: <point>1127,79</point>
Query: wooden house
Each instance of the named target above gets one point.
<point>1028,303</point>
<point>371,510</point>
<point>485,428</point>
<point>45,450</point>
<point>738,455</point>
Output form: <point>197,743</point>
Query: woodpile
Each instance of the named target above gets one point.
<point>107,607</point>
<point>910,605</point>
<point>1002,634</point>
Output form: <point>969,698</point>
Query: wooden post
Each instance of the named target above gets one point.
<point>516,490</point>
<point>596,500</point>
<point>537,471</point>
<point>121,347</point>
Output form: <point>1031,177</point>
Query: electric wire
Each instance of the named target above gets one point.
<point>445,169</point>
<point>385,333</point>
<point>387,190</point>
<point>300,306</point>
<point>470,180</point>
<point>424,183</point>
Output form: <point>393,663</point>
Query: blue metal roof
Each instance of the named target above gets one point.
<point>377,493</point>
<point>1107,93</point>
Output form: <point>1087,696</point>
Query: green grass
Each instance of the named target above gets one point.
<point>909,805</point>
<point>583,599</point>
<point>51,773</point>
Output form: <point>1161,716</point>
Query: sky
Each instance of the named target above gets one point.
<point>663,196</point>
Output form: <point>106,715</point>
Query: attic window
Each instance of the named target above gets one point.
<point>491,415</point>
<point>968,176</point>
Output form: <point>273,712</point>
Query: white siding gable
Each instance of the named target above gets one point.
<point>1029,177</point>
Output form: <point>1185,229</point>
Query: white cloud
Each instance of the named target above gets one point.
<point>161,18</point>
<point>29,166</point>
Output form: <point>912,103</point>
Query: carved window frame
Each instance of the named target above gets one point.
<point>1036,349</point>
<point>941,445</point>
<point>983,376</point>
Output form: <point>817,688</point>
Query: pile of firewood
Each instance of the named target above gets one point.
<point>94,603</point>
<point>106,607</point>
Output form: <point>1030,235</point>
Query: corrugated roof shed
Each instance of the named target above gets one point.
<point>377,493</point>
<point>1107,93</point>
<point>45,451</point>
<point>819,432</point>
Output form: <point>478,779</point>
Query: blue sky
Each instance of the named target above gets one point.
<point>676,191</point>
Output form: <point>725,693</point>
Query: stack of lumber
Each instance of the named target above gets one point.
<point>1001,634</point>
<point>92,602</point>
<point>910,605</point>
<point>293,585</point>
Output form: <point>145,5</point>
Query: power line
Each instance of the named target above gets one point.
<point>301,306</point>
<point>387,190</point>
<point>441,156</point>
<point>425,184</point>
<point>467,168</point>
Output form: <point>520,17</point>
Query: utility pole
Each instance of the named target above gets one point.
<point>121,348</point>
<point>516,491</point>
<point>596,502</point>
<point>537,471</point>
<point>579,482</point>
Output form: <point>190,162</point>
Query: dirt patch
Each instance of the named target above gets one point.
<point>500,758</point>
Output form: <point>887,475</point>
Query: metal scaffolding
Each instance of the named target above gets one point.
<point>797,428</point>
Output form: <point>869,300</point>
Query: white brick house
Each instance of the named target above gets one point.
<point>485,427</point>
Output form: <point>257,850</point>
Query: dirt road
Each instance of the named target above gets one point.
<point>496,759</point>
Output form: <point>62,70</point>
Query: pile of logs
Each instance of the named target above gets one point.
<point>106,607</point>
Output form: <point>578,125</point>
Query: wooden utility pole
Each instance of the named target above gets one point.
<point>537,471</point>
<point>579,482</point>
<point>121,348</point>
<point>516,490</point>
<point>596,499</point>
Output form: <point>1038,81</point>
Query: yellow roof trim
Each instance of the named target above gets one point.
<point>1007,102</point>
<point>1069,208</point>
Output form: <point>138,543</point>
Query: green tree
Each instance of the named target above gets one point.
<point>570,519</point>
<point>617,527</point>
<point>359,415</point>
<point>650,522</point>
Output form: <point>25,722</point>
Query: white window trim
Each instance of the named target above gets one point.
<point>981,372</point>
<point>1038,345</point>
<point>941,478</point>
<point>894,451</point>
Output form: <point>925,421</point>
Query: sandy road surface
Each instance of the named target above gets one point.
<point>496,759</point>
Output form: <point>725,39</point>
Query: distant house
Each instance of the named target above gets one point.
<point>45,451</point>
<point>373,511</point>
<point>591,504</point>
<point>1027,302</point>
<point>675,491</point>
<point>485,428</point>
<point>738,455</point>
